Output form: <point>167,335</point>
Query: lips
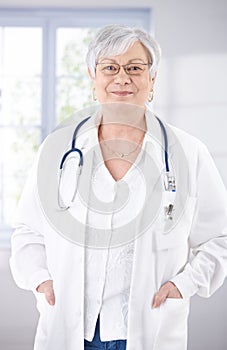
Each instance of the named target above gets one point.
<point>122,93</point>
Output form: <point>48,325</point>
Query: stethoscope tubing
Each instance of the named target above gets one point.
<point>81,162</point>
<point>171,185</point>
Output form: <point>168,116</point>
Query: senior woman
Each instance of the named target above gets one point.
<point>124,277</point>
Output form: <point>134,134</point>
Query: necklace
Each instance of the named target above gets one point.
<point>119,154</point>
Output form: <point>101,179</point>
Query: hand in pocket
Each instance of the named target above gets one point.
<point>47,288</point>
<point>168,290</point>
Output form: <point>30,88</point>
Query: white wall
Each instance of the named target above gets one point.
<point>190,93</point>
<point>192,80</point>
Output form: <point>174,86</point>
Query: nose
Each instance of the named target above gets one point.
<point>122,77</point>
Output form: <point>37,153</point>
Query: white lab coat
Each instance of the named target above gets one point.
<point>193,255</point>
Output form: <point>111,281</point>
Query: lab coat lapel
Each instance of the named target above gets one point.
<point>144,281</point>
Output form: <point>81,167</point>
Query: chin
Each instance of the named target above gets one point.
<point>124,100</point>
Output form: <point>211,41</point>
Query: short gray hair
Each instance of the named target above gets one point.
<point>115,39</point>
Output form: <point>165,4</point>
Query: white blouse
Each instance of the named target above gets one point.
<point>108,270</point>
<point>107,286</point>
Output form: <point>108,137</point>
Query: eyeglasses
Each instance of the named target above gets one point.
<point>130,69</point>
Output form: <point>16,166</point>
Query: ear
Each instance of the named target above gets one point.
<point>153,78</point>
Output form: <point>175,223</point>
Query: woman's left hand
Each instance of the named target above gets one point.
<point>168,290</point>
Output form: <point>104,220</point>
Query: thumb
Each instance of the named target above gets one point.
<point>49,294</point>
<point>160,297</point>
<point>47,288</point>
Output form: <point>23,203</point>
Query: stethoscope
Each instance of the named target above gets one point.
<point>169,178</point>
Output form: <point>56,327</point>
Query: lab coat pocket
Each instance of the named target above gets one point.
<point>40,301</point>
<point>172,233</point>
<point>42,304</point>
<point>47,312</point>
<point>172,334</point>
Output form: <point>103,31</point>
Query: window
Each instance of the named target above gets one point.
<point>43,79</point>
<point>73,87</point>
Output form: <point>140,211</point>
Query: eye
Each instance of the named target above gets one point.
<point>110,68</point>
<point>135,68</point>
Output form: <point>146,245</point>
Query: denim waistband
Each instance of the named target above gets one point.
<point>96,343</point>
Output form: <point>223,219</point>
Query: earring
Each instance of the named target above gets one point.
<point>150,96</point>
<point>94,97</point>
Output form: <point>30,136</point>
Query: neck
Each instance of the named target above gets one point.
<point>123,121</point>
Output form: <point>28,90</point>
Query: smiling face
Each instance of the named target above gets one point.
<point>123,87</point>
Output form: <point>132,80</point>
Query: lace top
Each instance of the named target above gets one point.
<point>108,271</point>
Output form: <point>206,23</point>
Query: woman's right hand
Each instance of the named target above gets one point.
<point>47,288</point>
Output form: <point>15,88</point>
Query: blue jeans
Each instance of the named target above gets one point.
<point>96,343</point>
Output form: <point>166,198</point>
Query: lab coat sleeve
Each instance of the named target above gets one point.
<point>28,261</point>
<point>207,266</point>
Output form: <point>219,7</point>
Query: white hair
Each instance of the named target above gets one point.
<point>115,39</point>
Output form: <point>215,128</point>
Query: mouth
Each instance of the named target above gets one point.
<point>122,93</point>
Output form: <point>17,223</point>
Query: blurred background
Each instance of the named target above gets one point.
<point>43,80</point>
